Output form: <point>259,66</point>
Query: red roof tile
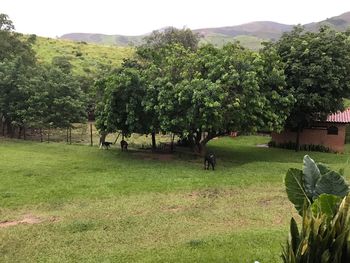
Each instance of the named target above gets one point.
<point>340,117</point>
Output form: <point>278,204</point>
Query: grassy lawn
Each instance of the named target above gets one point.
<point>111,206</point>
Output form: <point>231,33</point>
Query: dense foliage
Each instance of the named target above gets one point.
<point>33,94</point>
<point>317,66</point>
<point>197,93</point>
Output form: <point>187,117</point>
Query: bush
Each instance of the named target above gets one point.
<point>304,147</point>
<point>323,237</point>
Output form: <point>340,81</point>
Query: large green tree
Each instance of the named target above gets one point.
<point>196,93</point>
<point>121,107</point>
<point>317,66</point>
<point>214,91</point>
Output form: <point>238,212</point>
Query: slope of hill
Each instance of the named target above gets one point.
<point>250,35</point>
<point>86,58</point>
<point>262,29</point>
<point>118,40</point>
<point>340,23</point>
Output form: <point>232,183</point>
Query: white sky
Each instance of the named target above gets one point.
<point>134,17</point>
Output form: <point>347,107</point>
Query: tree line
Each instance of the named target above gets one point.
<point>173,84</point>
<point>33,94</point>
<point>197,92</point>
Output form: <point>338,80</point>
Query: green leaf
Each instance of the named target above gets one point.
<point>295,188</point>
<point>325,256</point>
<point>326,204</point>
<point>332,183</point>
<point>295,237</point>
<point>323,168</point>
<point>311,176</point>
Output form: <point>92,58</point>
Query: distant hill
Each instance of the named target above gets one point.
<point>340,23</point>
<point>86,58</point>
<point>118,40</point>
<point>251,35</point>
<point>262,29</point>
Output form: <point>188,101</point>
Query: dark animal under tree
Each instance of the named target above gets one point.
<point>106,145</point>
<point>209,160</point>
<point>123,145</point>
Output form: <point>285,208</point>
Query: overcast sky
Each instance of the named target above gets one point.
<point>134,17</point>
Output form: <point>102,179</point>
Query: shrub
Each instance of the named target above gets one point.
<point>323,237</point>
<point>304,147</point>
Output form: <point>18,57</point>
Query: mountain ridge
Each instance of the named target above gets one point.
<point>250,34</point>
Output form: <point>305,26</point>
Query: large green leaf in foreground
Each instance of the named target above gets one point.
<point>311,176</point>
<point>304,187</point>
<point>295,189</point>
<point>332,183</point>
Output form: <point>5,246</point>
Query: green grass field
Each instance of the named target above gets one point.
<point>111,206</point>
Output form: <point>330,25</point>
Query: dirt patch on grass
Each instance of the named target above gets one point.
<point>28,219</point>
<point>175,208</point>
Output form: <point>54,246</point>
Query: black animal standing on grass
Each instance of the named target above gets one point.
<point>124,145</point>
<point>106,145</point>
<point>209,159</point>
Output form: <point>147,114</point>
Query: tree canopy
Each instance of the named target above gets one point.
<point>197,93</point>
<point>317,66</point>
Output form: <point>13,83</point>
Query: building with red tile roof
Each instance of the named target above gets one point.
<point>330,133</point>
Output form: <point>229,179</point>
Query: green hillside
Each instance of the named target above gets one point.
<point>219,40</point>
<point>340,23</point>
<point>86,58</point>
<point>118,40</point>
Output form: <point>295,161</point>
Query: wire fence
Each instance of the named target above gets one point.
<point>85,134</point>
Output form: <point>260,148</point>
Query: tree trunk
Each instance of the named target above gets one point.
<point>3,125</point>
<point>24,133</point>
<point>198,147</point>
<point>154,145</point>
<point>116,139</point>
<point>9,129</point>
<point>91,141</point>
<point>20,129</point>
<point>172,142</point>
<point>297,143</point>
<point>203,143</point>
<point>103,136</point>
<point>70,135</point>
<point>48,135</point>
<point>67,135</point>
<point>41,135</point>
